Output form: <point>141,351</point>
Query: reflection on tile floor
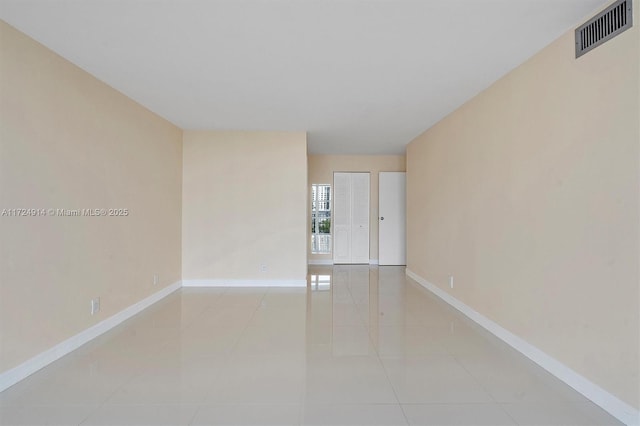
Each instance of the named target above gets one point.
<point>360,346</point>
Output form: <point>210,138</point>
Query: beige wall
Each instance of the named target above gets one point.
<point>69,141</point>
<point>244,205</point>
<point>528,195</point>
<point>321,168</point>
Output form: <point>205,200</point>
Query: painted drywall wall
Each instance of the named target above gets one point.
<point>244,205</point>
<point>68,141</point>
<point>321,169</point>
<point>529,196</point>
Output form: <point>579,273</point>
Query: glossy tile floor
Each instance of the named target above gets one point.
<point>360,346</point>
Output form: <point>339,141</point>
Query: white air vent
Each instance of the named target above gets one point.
<point>604,26</point>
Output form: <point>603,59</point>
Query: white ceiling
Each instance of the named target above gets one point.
<point>361,76</point>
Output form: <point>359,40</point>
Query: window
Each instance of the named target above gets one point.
<point>320,218</point>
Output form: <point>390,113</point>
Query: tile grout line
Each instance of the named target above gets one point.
<point>201,404</point>
<point>133,377</point>
<point>231,349</point>
<point>125,382</point>
<point>386,374</point>
<point>475,379</point>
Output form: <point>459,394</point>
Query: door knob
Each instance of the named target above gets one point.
<point>381,217</point>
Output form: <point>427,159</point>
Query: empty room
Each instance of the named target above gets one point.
<point>319,212</point>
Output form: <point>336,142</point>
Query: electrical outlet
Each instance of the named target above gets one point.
<point>156,279</point>
<point>95,306</point>
<point>451,281</point>
<point>263,267</point>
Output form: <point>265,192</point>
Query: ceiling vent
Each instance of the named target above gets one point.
<point>604,26</point>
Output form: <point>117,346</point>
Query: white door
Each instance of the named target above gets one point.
<point>351,218</point>
<point>341,218</point>
<point>392,222</point>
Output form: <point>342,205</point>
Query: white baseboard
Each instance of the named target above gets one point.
<point>244,283</point>
<point>610,403</point>
<point>22,371</point>
<point>321,262</point>
<point>373,261</point>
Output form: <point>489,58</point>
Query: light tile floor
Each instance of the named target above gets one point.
<point>360,346</point>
